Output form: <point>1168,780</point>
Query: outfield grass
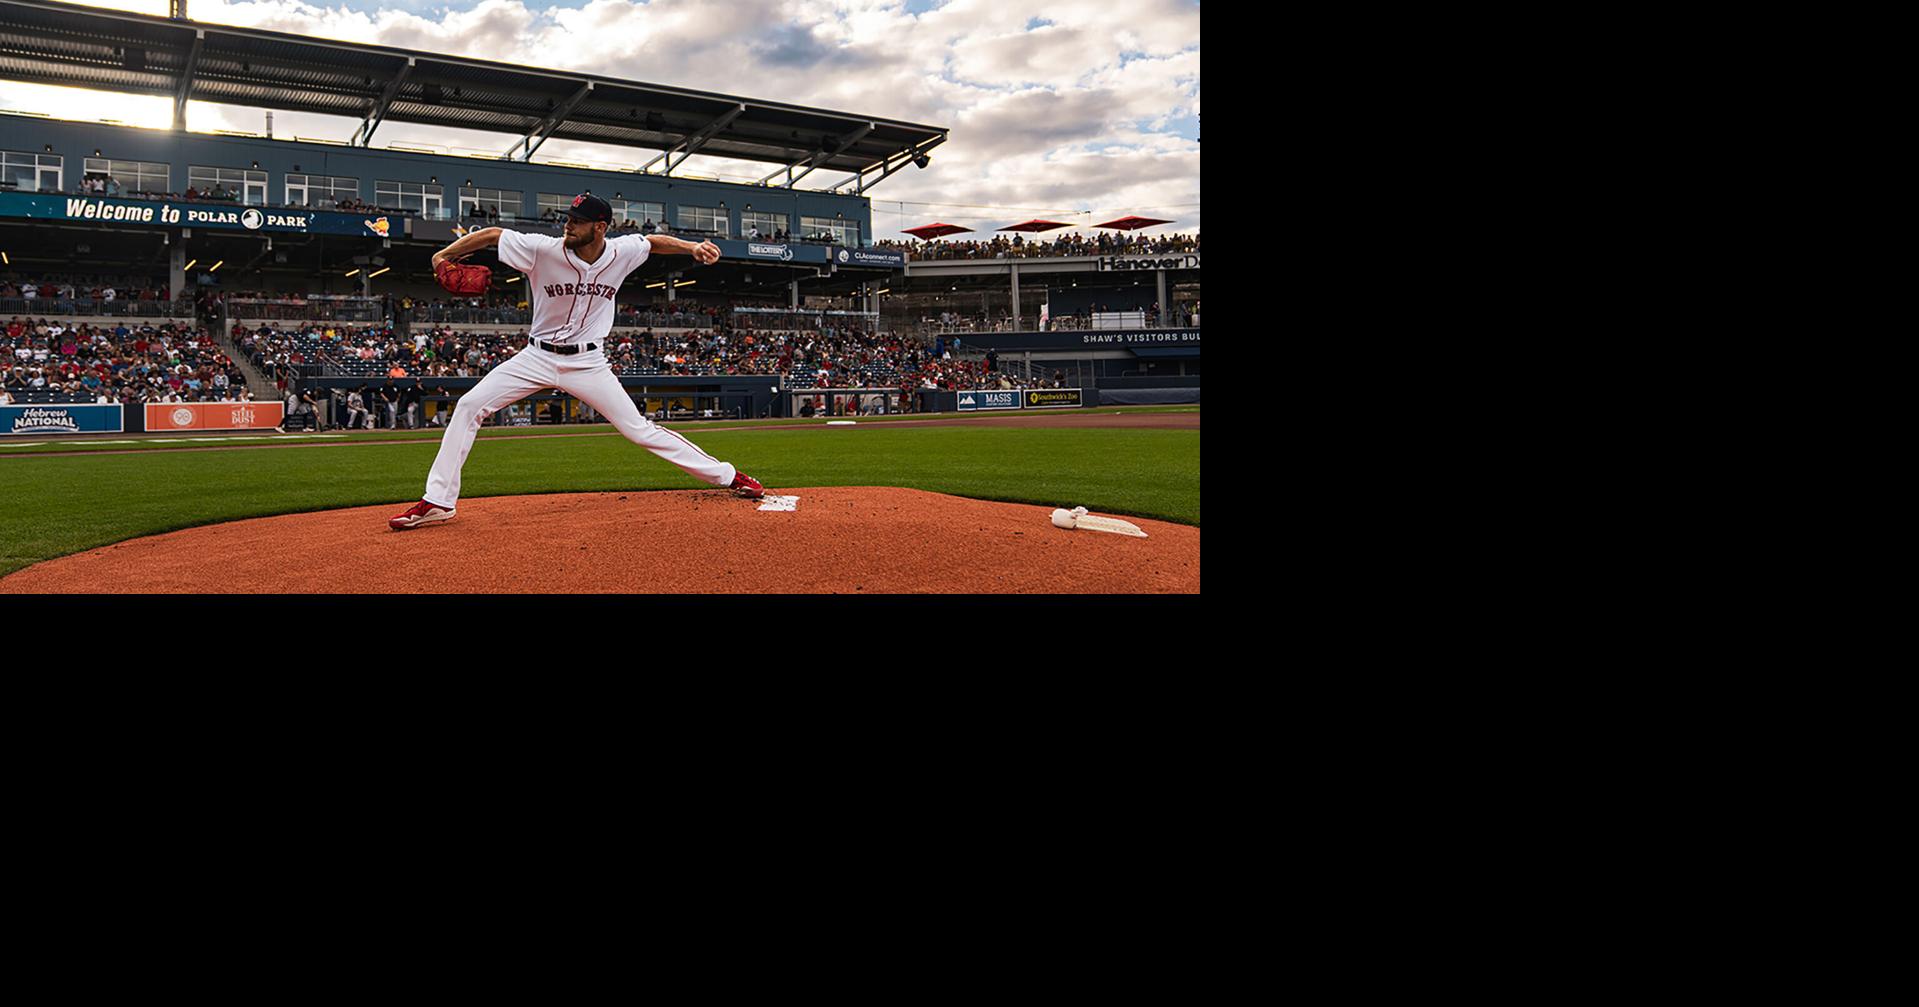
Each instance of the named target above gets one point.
<point>58,505</point>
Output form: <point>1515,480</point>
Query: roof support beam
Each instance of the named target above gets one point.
<point>891,165</point>
<point>363,137</point>
<point>819,158</point>
<point>687,147</point>
<point>552,122</point>
<point>185,86</point>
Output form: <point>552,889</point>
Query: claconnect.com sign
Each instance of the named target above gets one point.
<point>167,214</point>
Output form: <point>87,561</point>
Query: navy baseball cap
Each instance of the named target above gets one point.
<point>587,206</point>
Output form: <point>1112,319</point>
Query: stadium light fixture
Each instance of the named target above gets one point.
<point>216,266</point>
<point>354,273</point>
<point>516,279</point>
<point>4,261</point>
<point>189,264</point>
<point>656,286</point>
<point>684,283</point>
<point>384,269</point>
<point>888,290</point>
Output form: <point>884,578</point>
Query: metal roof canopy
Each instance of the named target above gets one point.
<point>44,42</point>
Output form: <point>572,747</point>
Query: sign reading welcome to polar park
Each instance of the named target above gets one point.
<point>218,216</point>
<point>53,419</point>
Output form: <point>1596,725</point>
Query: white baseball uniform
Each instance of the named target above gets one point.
<point>573,307</point>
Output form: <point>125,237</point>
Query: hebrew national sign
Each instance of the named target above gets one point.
<point>60,419</point>
<point>214,216</point>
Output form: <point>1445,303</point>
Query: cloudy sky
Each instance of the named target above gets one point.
<point>1076,110</point>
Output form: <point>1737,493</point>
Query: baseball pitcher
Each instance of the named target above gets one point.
<point>573,280</point>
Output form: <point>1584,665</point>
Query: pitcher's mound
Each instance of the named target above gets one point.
<point>840,540</point>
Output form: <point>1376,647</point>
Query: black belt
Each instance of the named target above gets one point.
<point>565,351</point>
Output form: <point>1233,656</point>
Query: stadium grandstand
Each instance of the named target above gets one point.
<point>153,265</point>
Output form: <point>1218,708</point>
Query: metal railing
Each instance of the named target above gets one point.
<point>1030,323</point>
<point>118,307</point>
<point>461,314</point>
<point>358,310</point>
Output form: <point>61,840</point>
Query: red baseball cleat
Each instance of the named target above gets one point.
<point>417,515</point>
<point>747,486</point>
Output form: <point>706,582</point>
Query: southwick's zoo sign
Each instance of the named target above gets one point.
<point>167,214</point>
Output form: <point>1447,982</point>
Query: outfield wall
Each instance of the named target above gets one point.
<point>997,399</point>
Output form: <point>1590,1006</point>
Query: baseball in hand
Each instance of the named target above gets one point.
<point>707,253</point>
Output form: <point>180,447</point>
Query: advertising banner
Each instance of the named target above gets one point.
<point>216,216</point>
<point>1052,398</point>
<point>767,251</point>
<point>89,419</point>
<point>214,415</point>
<point>1081,339</point>
<point>1130,263</point>
<point>972,401</point>
<point>869,257</point>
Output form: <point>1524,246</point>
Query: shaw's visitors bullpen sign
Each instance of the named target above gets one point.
<point>219,216</point>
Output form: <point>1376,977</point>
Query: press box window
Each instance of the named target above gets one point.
<point>320,190</point>
<point>768,223</point>
<point>131,176</point>
<point>30,172</point>
<point>408,197</point>
<point>845,232</point>
<point>638,212</point>
<point>704,218</point>
<point>238,184</point>
<point>506,202</point>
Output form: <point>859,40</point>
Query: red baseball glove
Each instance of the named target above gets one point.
<point>467,280</point>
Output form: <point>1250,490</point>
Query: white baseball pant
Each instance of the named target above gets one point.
<point>586,377</point>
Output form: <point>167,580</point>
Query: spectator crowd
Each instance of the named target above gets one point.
<point>832,352</point>
<point>78,294</point>
<point>171,362</point>
<point>1017,247</point>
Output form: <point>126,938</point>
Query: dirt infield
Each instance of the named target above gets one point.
<point>841,540</point>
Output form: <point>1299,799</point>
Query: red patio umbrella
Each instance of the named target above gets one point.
<point>1034,225</point>
<point>927,232</point>
<point>1131,223</point>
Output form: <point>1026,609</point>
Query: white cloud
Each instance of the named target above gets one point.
<point>1070,114</point>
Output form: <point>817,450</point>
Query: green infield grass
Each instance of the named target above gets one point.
<point>54,506</point>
